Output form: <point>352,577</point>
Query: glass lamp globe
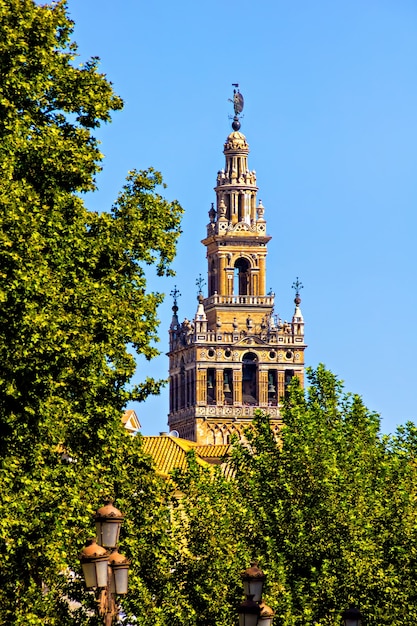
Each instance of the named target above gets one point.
<point>108,523</point>
<point>253,580</point>
<point>94,561</point>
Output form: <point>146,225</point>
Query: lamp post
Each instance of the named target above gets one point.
<point>253,611</point>
<point>104,568</point>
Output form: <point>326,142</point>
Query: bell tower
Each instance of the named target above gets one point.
<point>235,356</point>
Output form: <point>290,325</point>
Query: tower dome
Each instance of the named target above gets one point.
<point>236,141</point>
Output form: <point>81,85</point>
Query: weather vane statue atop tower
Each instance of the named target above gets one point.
<point>238,104</point>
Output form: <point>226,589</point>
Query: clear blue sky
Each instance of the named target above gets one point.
<point>331,119</point>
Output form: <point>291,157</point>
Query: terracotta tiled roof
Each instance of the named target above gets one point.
<point>170,453</point>
<point>213,451</point>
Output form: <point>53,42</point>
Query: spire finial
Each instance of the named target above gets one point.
<point>200,282</point>
<point>174,323</point>
<point>297,285</point>
<point>238,104</point>
<point>175,294</point>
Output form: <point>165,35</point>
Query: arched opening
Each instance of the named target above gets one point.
<point>191,388</point>
<point>249,379</point>
<point>289,375</point>
<point>228,385</point>
<point>218,435</point>
<point>211,385</point>
<point>272,388</point>
<point>171,394</point>
<point>241,278</point>
<point>241,200</point>
<point>225,435</point>
<point>182,385</point>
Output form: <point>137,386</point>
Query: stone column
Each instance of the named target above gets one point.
<point>253,207</point>
<point>222,275</point>
<point>201,391</point>
<point>219,387</point>
<point>237,386</point>
<point>281,385</point>
<point>262,275</point>
<point>263,388</point>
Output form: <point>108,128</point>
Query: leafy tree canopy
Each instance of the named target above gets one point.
<point>328,510</point>
<point>73,286</point>
<point>74,309</point>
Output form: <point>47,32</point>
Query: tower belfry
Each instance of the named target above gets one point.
<point>235,356</point>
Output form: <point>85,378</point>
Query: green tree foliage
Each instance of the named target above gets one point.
<point>334,504</point>
<point>329,512</point>
<point>74,309</point>
<point>208,523</point>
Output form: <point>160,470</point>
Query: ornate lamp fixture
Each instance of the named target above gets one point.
<point>94,561</point>
<point>249,612</point>
<point>106,571</point>
<point>254,612</point>
<point>253,581</point>
<point>108,523</point>
<point>119,565</point>
<point>266,616</point>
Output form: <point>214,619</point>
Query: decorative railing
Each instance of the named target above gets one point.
<point>245,300</point>
<point>227,410</point>
<point>272,337</point>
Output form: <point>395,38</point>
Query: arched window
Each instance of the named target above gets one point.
<point>192,396</point>
<point>228,385</point>
<point>218,435</point>
<point>235,432</point>
<point>182,389</point>
<point>272,388</point>
<point>211,385</point>
<point>225,435</point>
<point>241,278</point>
<point>289,375</point>
<point>249,379</point>
<point>171,394</point>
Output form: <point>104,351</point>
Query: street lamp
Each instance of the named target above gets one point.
<point>352,617</point>
<point>253,611</point>
<point>253,580</point>
<point>106,570</point>
<point>266,616</point>
<point>119,566</point>
<point>94,561</point>
<point>248,612</point>
<point>108,523</point>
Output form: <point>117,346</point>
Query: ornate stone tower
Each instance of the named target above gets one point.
<point>235,355</point>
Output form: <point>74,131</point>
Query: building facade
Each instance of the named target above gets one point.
<point>235,356</point>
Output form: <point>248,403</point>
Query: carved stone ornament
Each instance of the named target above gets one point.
<point>236,141</point>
